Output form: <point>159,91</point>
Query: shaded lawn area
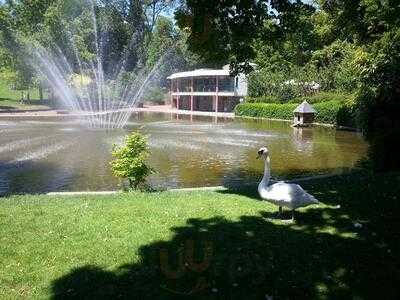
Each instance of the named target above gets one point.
<point>10,99</point>
<point>218,245</point>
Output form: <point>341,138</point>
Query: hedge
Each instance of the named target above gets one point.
<point>330,112</point>
<point>266,110</point>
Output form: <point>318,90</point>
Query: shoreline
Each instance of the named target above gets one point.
<point>155,109</point>
<point>51,113</point>
<point>313,124</point>
<point>191,189</point>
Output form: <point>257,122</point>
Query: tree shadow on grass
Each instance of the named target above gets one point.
<point>323,255</point>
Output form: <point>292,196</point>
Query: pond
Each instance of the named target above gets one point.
<point>54,154</point>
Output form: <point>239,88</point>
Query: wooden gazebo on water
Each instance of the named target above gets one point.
<point>304,115</point>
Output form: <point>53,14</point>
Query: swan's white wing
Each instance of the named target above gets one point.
<point>288,195</point>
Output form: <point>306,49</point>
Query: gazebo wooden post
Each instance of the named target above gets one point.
<point>191,94</point>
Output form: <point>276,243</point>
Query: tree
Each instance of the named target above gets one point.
<point>374,26</point>
<point>225,30</point>
<point>362,21</point>
<point>378,100</point>
<point>130,160</point>
<point>17,71</point>
<point>162,39</point>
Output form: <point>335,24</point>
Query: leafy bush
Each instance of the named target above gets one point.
<point>285,86</point>
<point>266,83</point>
<point>334,66</point>
<point>262,99</point>
<point>330,112</point>
<point>329,69</point>
<point>130,160</point>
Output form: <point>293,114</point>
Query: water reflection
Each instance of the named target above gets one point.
<point>303,139</point>
<point>54,155</point>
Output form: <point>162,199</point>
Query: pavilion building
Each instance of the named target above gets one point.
<point>207,90</point>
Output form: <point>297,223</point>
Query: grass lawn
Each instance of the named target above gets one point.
<point>10,99</point>
<point>204,244</point>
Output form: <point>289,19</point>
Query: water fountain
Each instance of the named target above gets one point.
<point>81,85</point>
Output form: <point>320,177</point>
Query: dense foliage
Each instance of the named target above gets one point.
<point>324,97</point>
<point>130,160</point>
<point>378,100</point>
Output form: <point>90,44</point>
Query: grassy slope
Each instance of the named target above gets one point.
<point>109,246</point>
<point>9,99</point>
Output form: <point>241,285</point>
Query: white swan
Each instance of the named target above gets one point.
<point>281,193</point>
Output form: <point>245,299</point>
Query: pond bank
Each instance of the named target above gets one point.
<point>155,109</point>
<point>193,189</point>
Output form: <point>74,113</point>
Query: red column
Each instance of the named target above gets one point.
<point>177,88</point>
<point>191,95</point>
<point>172,91</point>
<point>216,96</point>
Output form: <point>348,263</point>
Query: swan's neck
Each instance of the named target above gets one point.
<point>267,173</point>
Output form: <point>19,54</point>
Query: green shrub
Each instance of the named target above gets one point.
<point>130,160</point>
<point>330,112</point>
<point>262,99</point>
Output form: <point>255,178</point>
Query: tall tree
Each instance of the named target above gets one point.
<point>226,30</point>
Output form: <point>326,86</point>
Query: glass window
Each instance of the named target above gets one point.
<point>225,84</point>
<point>185,84</point>
<point>205,84</point>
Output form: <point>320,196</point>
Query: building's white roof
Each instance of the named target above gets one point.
<point>304,108</point>
<point>200,72</point>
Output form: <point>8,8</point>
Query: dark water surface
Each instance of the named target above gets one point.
<point>49,154</point>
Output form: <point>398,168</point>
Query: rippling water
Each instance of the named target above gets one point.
<point>59,155</point>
